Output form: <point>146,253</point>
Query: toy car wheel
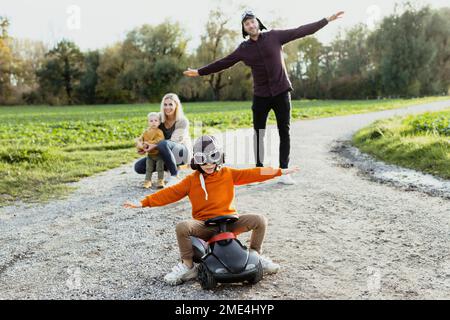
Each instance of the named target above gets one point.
<point>206,278</point>
<point>259,274</point>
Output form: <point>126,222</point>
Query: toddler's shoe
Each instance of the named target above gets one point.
<point>147,184</point>
<point>160,184</point>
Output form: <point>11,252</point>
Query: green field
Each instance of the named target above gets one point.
<point>43,148</point>
<point>420,142</point>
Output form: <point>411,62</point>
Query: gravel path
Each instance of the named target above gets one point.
<point>341,234</point>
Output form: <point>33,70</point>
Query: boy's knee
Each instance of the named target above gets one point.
<point>258,221</point>
<point>262,220</point>
<point>182,228</point>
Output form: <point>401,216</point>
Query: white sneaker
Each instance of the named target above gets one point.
<point>181,273</point>
<point>287,179</point>
<point>172,180</point>
<point>268,265</point>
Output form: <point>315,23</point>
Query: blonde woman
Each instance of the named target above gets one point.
<point>175,150</point>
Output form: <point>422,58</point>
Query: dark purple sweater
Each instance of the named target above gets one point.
<point>265,58</point>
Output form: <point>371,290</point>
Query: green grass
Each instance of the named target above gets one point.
<point>42,147</point>
<point>420,142</point>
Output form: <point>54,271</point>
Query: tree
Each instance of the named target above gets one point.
<point>30,56</point>
<point>111,66</point>
<point>62,71</point>
<point>6,62</point>
<point>302,63</point>
<point>4,25</point>
<point>438,32</point>
<point>402,53</point>
<point>352,74</point>
<point>353,51</point>
<point>86,90</point>
<point>217,42</point>
<point>329,69</point>
<point>153,58</point>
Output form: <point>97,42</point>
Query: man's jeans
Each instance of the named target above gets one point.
<point>281,105</point>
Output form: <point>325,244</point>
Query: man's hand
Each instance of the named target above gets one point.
<point>191,73</point>
<point>335,16</point>
<point>290,170</point>
<point>131,205</point>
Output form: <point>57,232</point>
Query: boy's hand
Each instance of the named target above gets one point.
<point>130,205</point>
<point>294,169</point>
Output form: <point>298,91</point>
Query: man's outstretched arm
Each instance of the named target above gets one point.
<point>216,66</point>
<point>288,35</point>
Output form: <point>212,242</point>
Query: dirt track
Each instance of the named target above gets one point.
<point>336,233</point>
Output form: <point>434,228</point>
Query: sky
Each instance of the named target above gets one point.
<point>95,24</point>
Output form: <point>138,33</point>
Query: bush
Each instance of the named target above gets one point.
<point>32,155</point>
<point>433,123</point>
<point>418,142</point>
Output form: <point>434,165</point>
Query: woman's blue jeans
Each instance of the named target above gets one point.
<point>172,153</point>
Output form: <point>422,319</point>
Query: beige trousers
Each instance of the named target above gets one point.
<point>247,222</point>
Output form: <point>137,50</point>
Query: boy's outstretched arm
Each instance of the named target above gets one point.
<point>292,170</point>
<point>246,176</point>
<point>132,205</point>
<point>163,197</point>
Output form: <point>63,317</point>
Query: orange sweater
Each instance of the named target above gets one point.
<point>219,190</point>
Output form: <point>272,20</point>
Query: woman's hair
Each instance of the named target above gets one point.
<point>179,114</point>
<point>154,115</point>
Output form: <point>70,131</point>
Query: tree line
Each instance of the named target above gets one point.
<point>406,55</point>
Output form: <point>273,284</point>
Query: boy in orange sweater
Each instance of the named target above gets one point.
<point>152,135</point>
<point>211,192</point>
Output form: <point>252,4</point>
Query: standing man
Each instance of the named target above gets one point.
<point>262,52</point>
